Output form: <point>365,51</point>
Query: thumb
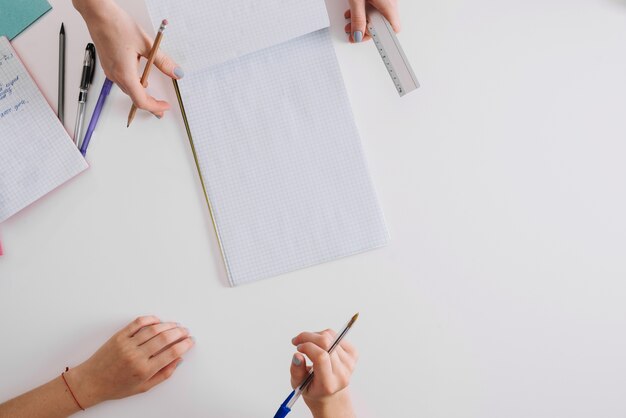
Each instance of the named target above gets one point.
<point>298,369</point>
<point>358,19</point>
<point>167,66</point>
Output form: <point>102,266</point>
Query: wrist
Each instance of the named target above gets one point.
<point>90,9</point>
<point>82,384</point>
<point>338,405</point>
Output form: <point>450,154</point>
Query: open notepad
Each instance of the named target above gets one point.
<point>36,153</point>
<point>273,133</point>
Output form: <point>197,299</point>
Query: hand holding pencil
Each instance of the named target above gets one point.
<point>121,42</point>
<point>148,67</point>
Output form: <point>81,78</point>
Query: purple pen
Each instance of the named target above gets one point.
<point>106,88</point>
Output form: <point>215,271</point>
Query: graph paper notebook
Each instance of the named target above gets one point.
<point>36,153</point>
<point>273,134</point>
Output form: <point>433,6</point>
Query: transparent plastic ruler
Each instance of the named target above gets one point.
<point>391,52</point>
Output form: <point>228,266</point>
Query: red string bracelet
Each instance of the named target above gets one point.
<point>70,389</point>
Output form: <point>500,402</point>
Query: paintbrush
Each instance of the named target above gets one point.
<point>286,406</point>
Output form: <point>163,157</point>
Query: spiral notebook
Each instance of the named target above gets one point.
<point>36,153</point>
<point>272,132</point>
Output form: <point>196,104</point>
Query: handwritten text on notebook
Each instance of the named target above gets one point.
<point>36,153</point>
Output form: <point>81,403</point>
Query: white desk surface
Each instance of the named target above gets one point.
<point>502,179</point>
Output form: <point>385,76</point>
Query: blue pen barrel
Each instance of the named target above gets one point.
<point>282,412</point>
<point>284,409</point>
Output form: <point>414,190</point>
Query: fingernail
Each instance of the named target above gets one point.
<point>179,363</point>
<point>296,361</point>
<point>179,73</point>
<point>293,341</point>
<point>358,36</point>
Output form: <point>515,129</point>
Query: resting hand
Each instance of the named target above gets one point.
<point>120,43</point>
<point>327,395</point>
<point>356,28</point>
<point>137,358</point>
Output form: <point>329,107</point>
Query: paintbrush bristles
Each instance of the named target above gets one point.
<point>353,320</point>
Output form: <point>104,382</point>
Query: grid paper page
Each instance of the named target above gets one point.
<point>36,153</point>
<point>282,160</point>
<point>203,33</point>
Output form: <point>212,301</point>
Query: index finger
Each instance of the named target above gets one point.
<point>345,344</point>
<point>390,11</point>
<point>320,339</point>
<point>140,322</point>
<point>359,20</point>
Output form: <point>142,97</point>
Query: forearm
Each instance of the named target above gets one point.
<point>336,406</point>
<point>51,400</point>
<point>89,8</point>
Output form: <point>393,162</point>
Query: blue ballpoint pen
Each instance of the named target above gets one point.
<point>286,406</point>
<point>106,89</point>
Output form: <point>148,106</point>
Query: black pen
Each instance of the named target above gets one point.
<point>89,69</point>
<point>61,93</point>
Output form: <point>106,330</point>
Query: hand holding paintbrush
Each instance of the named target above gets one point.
<point>325,391</point>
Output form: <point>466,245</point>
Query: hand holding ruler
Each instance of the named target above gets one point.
<point>391,52</point>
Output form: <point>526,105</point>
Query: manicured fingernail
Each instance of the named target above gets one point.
<point>179,363</point>
<point>358,36</point>
<point>296,361</point>
<point>179,73</point>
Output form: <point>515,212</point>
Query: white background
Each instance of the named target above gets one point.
<point>502,179</point>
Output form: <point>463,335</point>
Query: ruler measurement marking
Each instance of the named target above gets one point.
<point>394,59</point>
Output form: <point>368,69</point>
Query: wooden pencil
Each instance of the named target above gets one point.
<point>146,71</point>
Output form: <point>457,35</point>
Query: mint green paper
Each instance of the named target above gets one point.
<point>17,15</point>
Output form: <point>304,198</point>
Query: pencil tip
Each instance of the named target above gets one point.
<point>62,29</point>
<point>128,124</point>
